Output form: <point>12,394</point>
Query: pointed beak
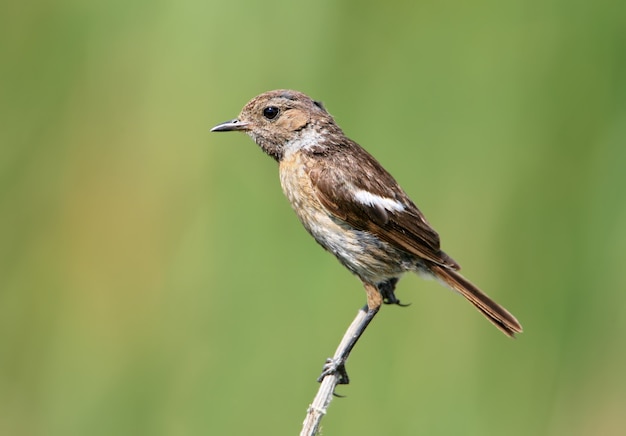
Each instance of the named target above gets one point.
<point>231,125</point>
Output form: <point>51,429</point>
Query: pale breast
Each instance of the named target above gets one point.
<point>361,252</point>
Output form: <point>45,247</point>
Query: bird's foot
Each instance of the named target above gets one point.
<point>335,367</point>
<point>387,290</point>
<point>395,301</point>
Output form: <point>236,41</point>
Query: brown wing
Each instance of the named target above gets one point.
<point>352,170</point>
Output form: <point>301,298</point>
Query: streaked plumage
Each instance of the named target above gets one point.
<point>350,204</point>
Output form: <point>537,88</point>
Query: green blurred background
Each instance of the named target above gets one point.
<point>154,281</point>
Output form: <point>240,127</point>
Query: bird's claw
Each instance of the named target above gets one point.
<point>396,302</point>
<point>387,291</point>
<point>335,367</point>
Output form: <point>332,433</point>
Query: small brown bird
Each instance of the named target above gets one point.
<point>352,206</point>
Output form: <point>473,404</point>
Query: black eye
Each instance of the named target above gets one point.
<point>270,112</point>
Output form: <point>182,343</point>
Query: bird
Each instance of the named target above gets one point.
<point>353,207</point>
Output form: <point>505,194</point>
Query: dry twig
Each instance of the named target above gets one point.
<point>318,407</point>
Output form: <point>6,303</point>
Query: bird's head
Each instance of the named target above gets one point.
<point>281,121</point>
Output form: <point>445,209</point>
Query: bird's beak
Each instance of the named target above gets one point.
<point>231,125</point>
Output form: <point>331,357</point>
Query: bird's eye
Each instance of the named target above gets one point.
<point>270,112</point>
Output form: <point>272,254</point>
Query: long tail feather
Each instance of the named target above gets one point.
<point>498,315</point>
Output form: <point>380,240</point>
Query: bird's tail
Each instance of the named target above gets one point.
<point>498,315</point>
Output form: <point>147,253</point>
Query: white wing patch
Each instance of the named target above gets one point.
<point>373,200</point>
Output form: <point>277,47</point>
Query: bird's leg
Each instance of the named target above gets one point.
<point>387,290</point>
<point>336,364</point>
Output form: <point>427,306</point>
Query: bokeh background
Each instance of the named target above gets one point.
<point>154,281</point>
